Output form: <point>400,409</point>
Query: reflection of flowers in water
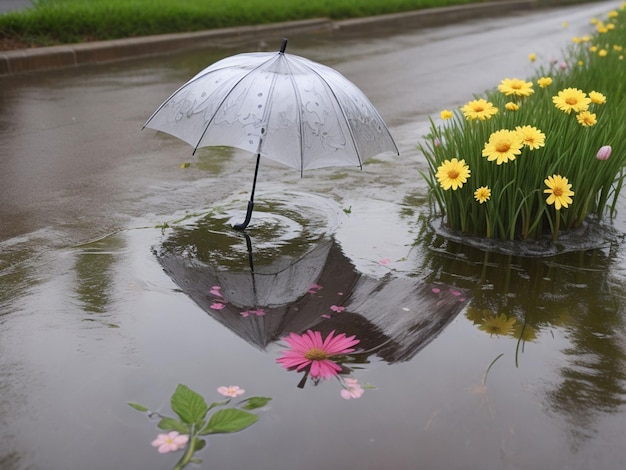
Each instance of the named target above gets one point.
<point>499,325</point>
<point>322,358</point>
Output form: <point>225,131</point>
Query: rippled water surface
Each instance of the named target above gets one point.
<point>110,253</point>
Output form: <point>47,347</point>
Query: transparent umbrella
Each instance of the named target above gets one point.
<point>276,105</point>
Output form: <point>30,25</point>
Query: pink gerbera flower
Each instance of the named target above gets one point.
<point>309,350</point>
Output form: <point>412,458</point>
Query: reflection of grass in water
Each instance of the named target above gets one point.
<point>213,159</point>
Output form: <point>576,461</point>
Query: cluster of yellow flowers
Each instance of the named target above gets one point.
<point>506,145</point>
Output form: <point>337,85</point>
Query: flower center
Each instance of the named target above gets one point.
<point>558,192</point>
<point>478,109</point>
<point>453,174</point>
<point>503,147</point>
<point>571,101</point>
<point>316,354</point>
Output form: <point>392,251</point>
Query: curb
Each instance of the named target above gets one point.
<point>75,55</point>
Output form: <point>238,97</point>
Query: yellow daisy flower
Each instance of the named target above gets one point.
<point>515,86</point>
<point>452,174</point>
<point>510,106</point>
<point>559,191</point>
<point>603,52</point>
<point>613,14</point>
<point>571,99</point>
<point>498,324</point>
<point>617,47</point>
<point>597,97</point>
<point>446,114</point>
<point>482,194</point>
<point>544,82</point>
<point>586,119</point>
<point>532,137</point>
<point>479,109</point>
<point>503,145</point>
<point>532,57</point>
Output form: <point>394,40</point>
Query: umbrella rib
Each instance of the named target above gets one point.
<point>300,120</point>
<point>195,79</point>
<point>232,89</point>
<point>343,112</point>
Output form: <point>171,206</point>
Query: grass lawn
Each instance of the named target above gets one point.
<point>52,22</point>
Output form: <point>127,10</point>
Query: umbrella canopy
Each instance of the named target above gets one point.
<point>280,106</point>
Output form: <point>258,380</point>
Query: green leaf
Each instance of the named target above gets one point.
<point>198,444</point>
<point>171,424</point>
<point>229,420</point>
<point>255,402</point>
<point>189,405</point>
<point>138,407</point>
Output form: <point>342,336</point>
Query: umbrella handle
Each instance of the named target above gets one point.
<point>244,224</point>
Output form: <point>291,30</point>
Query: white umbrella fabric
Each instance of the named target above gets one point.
<point>280,106</point>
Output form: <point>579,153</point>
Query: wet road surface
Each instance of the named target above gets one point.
<point>90,321</point>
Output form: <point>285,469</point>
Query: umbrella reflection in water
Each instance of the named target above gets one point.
<point>264,296</point>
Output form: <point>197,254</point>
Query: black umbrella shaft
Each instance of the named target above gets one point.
<point>245,223</point>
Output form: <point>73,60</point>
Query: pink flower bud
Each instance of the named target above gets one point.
<point>604,153</point>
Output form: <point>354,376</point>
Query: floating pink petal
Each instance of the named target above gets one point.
<point>436,290</point>
<point>216,293</point>
<point>314,288</point>
<point>352,389</point>
<point>385,261</point>
<point>337,309</point>
<point>310,350</point>
<point>217,306</point>
<point>245,313</point>
<point>326,316</point>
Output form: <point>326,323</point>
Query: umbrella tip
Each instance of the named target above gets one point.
<point>283,46</point>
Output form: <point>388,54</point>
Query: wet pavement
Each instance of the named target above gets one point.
<point>92,315</point>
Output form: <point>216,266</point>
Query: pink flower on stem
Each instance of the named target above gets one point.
<point>170,442</point>
<point>604,153</point>
<point>231,391</point>
<point>310,350</point>
<point>337,309</point>
<point>352,389</point>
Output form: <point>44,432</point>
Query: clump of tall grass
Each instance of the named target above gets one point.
<point>532,158</point>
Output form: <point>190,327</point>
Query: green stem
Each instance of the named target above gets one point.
<point>557,223</point>
<point>189,451</point>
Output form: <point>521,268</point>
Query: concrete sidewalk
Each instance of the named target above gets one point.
<point>73,55</point>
